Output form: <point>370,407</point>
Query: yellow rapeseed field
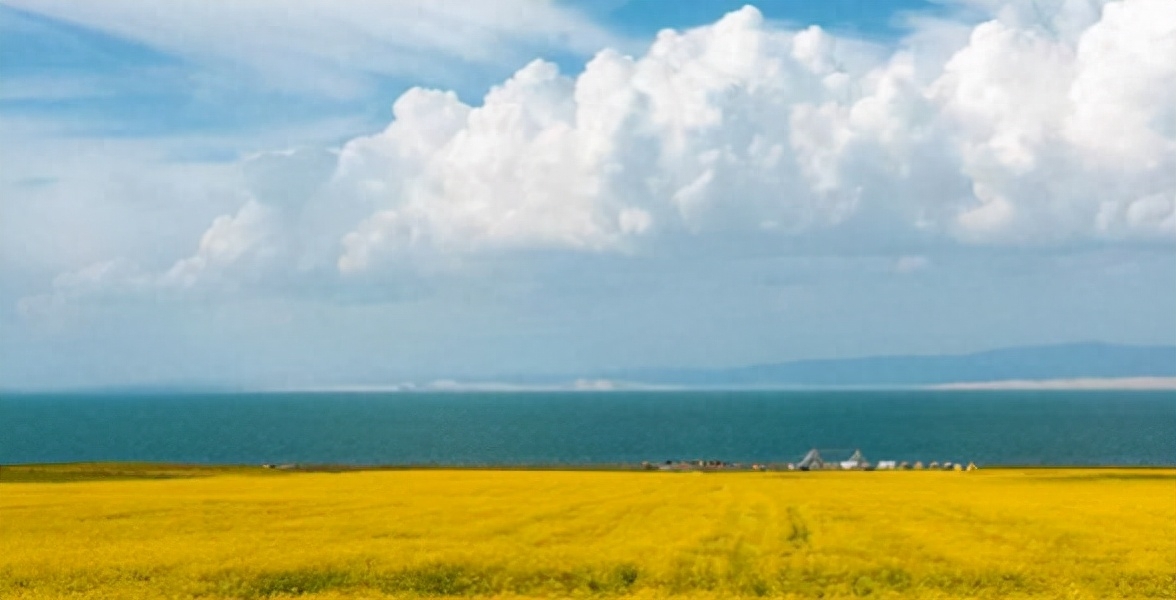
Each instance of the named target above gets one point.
<point>253,533</point>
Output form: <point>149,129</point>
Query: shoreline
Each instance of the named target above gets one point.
<point>1112,384</point>
<point>116,470</point>
<point>1076,384</point>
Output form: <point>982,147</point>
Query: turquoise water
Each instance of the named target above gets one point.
<point>1027,428</point>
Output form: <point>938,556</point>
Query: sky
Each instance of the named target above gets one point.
<point>313,193</point>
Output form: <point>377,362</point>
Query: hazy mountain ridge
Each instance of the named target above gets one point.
<point>1092,365</point>
<point>1029,363</point>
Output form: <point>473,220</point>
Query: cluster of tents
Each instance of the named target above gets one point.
<point>813,461</point>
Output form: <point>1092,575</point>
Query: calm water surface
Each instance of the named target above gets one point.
<point>1030,428</point>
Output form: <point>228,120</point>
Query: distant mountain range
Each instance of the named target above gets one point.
<point>1028,363</point>
<point>1090,365</point>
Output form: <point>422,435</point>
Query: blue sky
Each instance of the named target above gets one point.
<point>646,17</point>
<point>145,89</point>
<point>326,195</point>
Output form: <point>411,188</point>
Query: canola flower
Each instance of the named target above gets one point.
<point>142,532</point>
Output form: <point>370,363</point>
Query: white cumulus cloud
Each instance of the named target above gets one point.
<point>1037,127</point>
<point>1022,127</point>
<point>232,247</point>
<point>250,234</point>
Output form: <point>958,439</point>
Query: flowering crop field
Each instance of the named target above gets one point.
<point>111,531</point>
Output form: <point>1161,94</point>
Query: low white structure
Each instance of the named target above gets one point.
<point>887,464</point>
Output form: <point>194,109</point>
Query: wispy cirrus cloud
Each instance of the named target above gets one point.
<point>336,49</point>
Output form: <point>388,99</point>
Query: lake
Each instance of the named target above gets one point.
<point>591,428</point>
